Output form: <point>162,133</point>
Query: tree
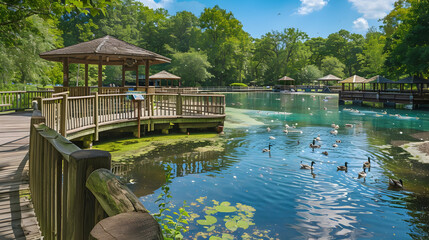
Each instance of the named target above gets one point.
<point>308,74</point>
<point>372,57</point>
<point>331,65</point>
<point>183,31</point>
<point>191,67</point>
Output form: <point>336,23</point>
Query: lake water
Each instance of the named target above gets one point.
<point>258,195</point>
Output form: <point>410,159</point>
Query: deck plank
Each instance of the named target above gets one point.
<point>17,218</point>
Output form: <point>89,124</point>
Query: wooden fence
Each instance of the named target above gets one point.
<point>65,114</point>
<point>20,100</point>
<point>72,189</point>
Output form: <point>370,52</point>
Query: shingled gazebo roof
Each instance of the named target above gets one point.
<point>113,52</point>
<point>413,80</point>
<point>164,75</point>
<point>329,77</point>
<point>354,79</point>
<point>379,79</point>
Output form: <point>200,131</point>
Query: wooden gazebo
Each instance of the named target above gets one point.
<point>412,80</point>
<point>378,83</point>
<point>105,51</point>
<point>351,81</point>
<point>329,78</point>
<point>164,75</point>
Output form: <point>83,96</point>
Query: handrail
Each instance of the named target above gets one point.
<point>59,175</point>
<point>66,114</point>
<point>20,100</point>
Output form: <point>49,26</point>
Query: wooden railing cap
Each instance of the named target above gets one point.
<point>82,155</point>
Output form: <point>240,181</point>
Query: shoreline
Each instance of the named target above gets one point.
<point>419,150</point>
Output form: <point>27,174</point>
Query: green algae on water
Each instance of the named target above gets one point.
<point>126,150</point>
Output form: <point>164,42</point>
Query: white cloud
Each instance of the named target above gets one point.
<point>360,24</point>
<point>308,6</point>
<point>157,4</point>
<point>373,9</point>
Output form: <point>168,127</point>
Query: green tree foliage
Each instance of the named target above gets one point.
<point>191,67</point>
<point>372,57</point>
<point>331,65</point>
<point>408,45</point>
<point>308,74</point>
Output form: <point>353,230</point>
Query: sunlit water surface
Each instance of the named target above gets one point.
<point>292,203</point>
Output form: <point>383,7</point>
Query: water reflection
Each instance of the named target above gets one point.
<point>294,203</point>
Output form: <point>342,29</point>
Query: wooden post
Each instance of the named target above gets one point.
<point>63,117</point>
<point>146,68</point>
<point>139,112</point>
<point>123,75</point>
<point>96,116</point>
<point>66,72</point>
<point>100,73</point>
<point>81,203</point>
<point>137,76</point>
<point>86,75</point>
<point>179,104</point>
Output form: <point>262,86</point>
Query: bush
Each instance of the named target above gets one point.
<point>238,85</point>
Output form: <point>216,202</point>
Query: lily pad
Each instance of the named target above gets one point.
<point>210,228</point>
<point>215,238</point>
<point>210,220</point>
<point>243,224</point>
<point>226,236</point>
<point>211,211</point>
<point>231,225</point>
<point>225,207</point>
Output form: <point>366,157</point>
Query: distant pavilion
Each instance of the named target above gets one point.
<point>164,75</point>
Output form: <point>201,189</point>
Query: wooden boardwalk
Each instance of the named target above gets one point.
<point>17,218</point>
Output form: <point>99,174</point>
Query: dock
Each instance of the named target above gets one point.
<point>17,218</point>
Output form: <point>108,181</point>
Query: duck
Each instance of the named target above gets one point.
<point>367,164</point>
<point>313,145</point>
<point>338,141</point>
<point>286,131</point>
<point>318,138</point>
<point>342,168</point>
<point>334,132</point>
<point>363,173</point>
<point>334,145</point>
<point>325,153</point>
<point>333,125</point>
<point>268,129</point>
<point>267,149</point>
<point>272,138</point>
<point>336,126</point>
<point>305,166</point>
<point>396,183</point>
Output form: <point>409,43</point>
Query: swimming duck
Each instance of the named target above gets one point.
<point>313,145</point>
<point>268,129</point>
<point>325,153</point>
<point>318,137</point>
<point>334,145</point>
<point>267,149</point>
<point>286,131</point>
<point>363,173</point>
<point>305,166</point>
<point>334,132</point>
<point>272,138</point>
<point>333,125</point>
<point>396,183</point>
<point>342,168</point>
<point>367,164</point>
<point>336,126</point>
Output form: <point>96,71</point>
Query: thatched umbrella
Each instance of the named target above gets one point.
<point>285,79</point>
<point>165,75</point>
<point>352,80</point>
<point>329,78</point>
<point>105,51</point>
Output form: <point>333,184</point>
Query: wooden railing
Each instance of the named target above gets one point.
<point>384,96</point>
<point>71,114</point>
<point>20,100</point>
<point>73,189</point>
<point>175,90</point>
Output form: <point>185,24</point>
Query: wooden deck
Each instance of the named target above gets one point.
<point>17,218</point>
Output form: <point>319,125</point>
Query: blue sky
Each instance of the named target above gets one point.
<point>315,17</point>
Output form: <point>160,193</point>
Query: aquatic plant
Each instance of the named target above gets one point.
<point>172,227</point>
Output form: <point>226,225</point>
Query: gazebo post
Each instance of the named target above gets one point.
<point>66,72</point>
<point>137,76</point>
<point>146,68</point>
<point>100,73</point>
<point>86,75</point>
<point>123,75</point>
